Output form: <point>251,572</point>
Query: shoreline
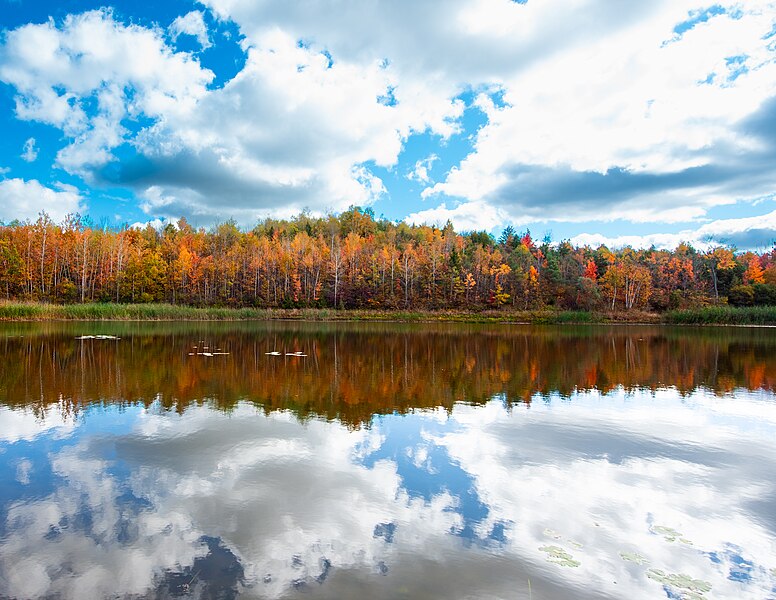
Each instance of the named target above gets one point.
<point>717,315</point>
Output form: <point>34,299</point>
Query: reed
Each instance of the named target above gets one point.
<point>723,315</point>
<point>36,311</point>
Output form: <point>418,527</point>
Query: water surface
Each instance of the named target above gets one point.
<point>386,461</point>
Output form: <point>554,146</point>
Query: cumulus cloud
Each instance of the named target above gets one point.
<point>747,233</point>
<point>193,24</point>
<point>293,129</point>
<point>29,152</point>
<point>20,199</point>
<point>89,74</point>
<point>630,126</point>
<point>646,112</point>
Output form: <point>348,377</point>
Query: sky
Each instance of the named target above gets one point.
<point>598,121</point>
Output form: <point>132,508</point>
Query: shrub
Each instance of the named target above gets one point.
<point>764,294</point>
<point>741,295</point>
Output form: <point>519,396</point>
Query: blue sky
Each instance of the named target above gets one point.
<point>641,124</point>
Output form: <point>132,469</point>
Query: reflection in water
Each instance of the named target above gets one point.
<point>353,371</point>
<point>447,463</point>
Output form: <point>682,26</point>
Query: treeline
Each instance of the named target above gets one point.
<point>354,260</point>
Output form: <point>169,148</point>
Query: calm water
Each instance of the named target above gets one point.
<point>389,461</point>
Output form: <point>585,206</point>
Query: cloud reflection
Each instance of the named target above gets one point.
<point>271,507</point>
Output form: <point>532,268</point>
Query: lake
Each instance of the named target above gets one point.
<point>309,460</point>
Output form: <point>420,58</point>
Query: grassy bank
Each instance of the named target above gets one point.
<point>723,315</point>
<point>30,311</point>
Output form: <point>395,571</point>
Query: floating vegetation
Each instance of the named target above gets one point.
<point>670,534</point>
<point>97,337</point>
<point>773,572</point>
<point>558,556</point>
<point>691,589</point>
<point>576,545</point>
<point>634,557</point>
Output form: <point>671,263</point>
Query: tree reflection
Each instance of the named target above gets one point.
<point>352,372</point>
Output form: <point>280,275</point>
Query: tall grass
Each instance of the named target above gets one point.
<point>34,311</point>
<point>18,311</point>
<point>723,315</point>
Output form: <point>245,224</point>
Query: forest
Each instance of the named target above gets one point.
<point>354,260</point>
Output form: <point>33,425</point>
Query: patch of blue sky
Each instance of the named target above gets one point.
<point>15,13</point>
<point>695,17</point>
<point>709,80</point>
<point>388,98</point>
<point>736,66</point>
<point>114,208</point>
<point>427,470</point>
<point>225,56</point>
<point>740,209</point>
<point>404,192</point>
<point>48,140</point>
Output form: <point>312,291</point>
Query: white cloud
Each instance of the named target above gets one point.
<point>292,130</point>
<point>746,233</point>
<point>30,152</point>
<point>20,199</point>
<point>614,128</point>
<point>192,23</point>
<point>420,172</point>
<point>126,71</point>
<point>605,115</point>
<point>312,127</point>
<point>467,216</point>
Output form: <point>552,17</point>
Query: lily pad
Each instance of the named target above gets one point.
<point>552,533</point>
<point>558,556</point>
<point>669,533</point>
<point>634,557</point>
<point>693,589</point>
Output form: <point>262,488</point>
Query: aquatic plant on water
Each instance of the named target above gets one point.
<point>558,556</point>
<point>691,589</point>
